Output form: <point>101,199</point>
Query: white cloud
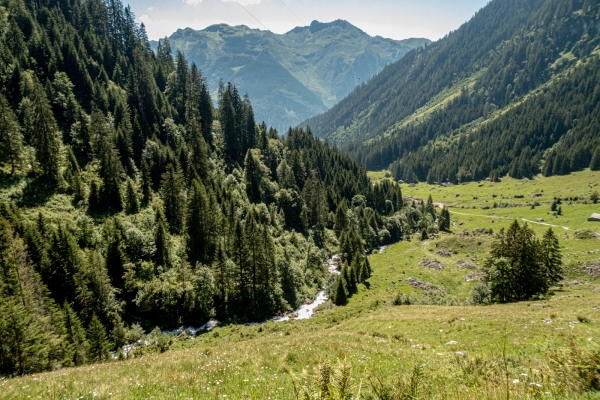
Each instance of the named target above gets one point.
<point>193,2</point>
<point>242,2</point>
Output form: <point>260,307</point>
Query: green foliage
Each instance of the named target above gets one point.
<point>481,293</point>
<point>11,141</point>
<point>521,267</point>
<point>98,340</point>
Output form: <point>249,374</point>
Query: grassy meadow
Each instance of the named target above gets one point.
<point>534,349</point>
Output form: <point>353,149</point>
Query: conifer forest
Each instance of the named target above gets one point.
<point>435,234</point>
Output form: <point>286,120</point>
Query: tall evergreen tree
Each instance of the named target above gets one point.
<point>110,164</point>
<point>98,340</point>
<point>199,220</point>
<point>11,140</point>
<point>44,132</point>
<point>340,296</point>
<point>162,255</point>
<point>132,202</point>
<point>77,344</point>
<point>172,191</point>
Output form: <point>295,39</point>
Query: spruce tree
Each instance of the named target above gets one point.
<point>162,256</point>
<point>98,340</point>
<point>199,218</point>
<point>551,258</point>
<point>340,297</point>
<point>44,132</point>
<point>173,195</point>
<point>11,139</point>
<point>24,342</point>
<point>72,175</point>
<point>118,334</point>
<point>132,200</point>
<point>227,119</point>
<point>77,344</point>
<point>341,221</point>
<point>110,165</point>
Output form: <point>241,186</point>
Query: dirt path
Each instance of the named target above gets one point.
<point>566,228</point>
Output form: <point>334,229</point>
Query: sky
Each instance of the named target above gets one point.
<point>395,19</point>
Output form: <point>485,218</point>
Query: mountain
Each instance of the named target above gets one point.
<point>514,90</point>
<point>293,76</point>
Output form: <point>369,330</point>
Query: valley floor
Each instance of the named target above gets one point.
<point>521,350</point>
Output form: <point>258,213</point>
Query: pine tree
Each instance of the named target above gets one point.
<point>341,221</point>
<point>199,220</point>
<point>98,340</point>
<point>116,256</point>
<point>340,296</point>
<point>132,203</point>
<point>94,197</point>
<point>162,256</point>
<point>222,274</point>
<point>11,139</point>
<point>199,149</point>
<point>118,333</point>
<point>66,266</point>
<point>520,267</point>
<point>77,344</point>
<point>72,175</point>
<point>24,344</point>
<point>44,132</point>
<point>172,191</point>
<point>146,182</point>
<point>110,164</point>
<point>248,126</point>
<point>227,119</point>
<point>239,250</point>
<point>551,258</point>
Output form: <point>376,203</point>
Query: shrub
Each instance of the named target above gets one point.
<point>481,294</point>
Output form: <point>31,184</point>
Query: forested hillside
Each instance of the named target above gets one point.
<point>515,90</point>
<point>127,202</point>
<point>294,76</point>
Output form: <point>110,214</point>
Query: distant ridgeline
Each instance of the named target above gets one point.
<point>127,201</point>
<point>515,90</point>
<point>294,76</point>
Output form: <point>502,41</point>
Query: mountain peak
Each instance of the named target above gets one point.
<point>317,26</point>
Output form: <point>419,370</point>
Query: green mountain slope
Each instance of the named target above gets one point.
<point>490,98</point>
<point>294,76</point>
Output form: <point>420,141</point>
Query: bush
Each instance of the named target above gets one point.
<point>401,299</point>
<point>481,294</point>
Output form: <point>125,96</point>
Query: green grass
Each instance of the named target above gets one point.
<point>379,339</point>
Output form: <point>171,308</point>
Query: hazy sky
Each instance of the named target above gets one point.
<point>396,19</point>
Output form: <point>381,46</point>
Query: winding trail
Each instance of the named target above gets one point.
<point>566,228</point>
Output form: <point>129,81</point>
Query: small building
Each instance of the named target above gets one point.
<point>594,217</point>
